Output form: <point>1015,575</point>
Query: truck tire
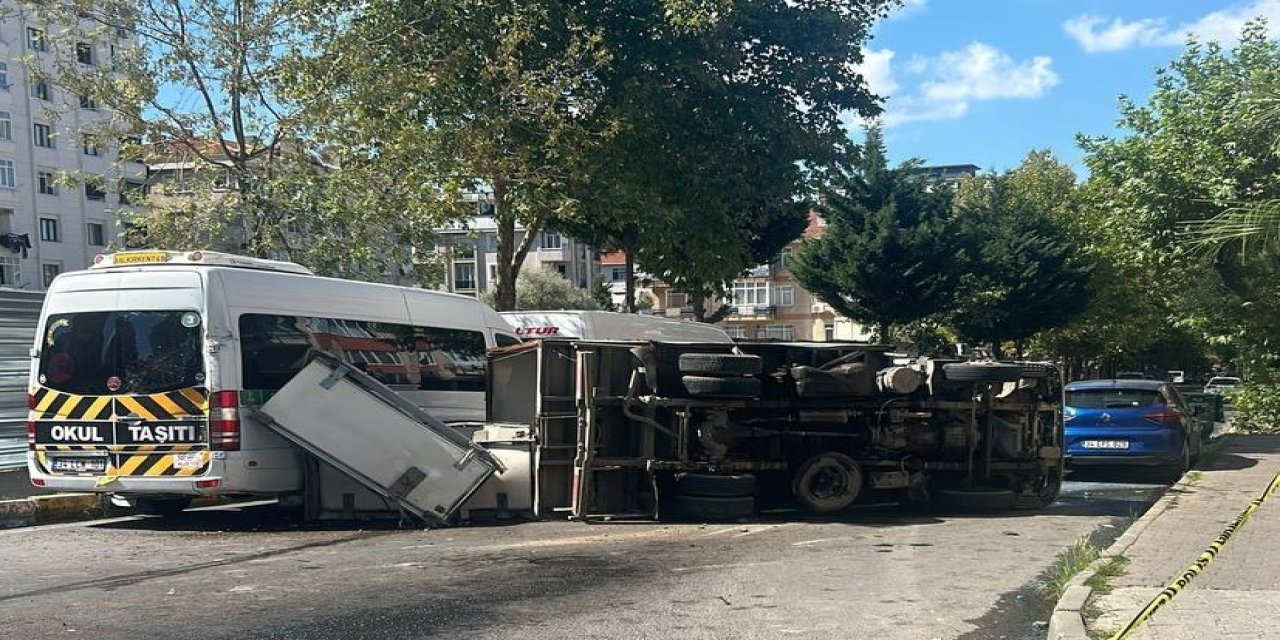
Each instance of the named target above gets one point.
<point>707,484</point>
<point>827,482</point>
<point>714,507</point>
<point>982,372</point>
<point>1045,497</point>
<point>165,507</point>
<point>720,364</point>
<point>722,387</point>
<point>975,499</point>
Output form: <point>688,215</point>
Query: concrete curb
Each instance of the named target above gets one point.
<point>1067,620</point>
<point>63,507</point>
<point>59,507</point>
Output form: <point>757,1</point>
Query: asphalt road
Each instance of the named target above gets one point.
<point>254,572</point>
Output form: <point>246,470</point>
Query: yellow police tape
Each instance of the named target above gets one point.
<point>1198,566</point>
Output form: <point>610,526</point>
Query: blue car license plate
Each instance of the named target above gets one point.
<point>1105,444</point>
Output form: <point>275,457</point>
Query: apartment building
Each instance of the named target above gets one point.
<point>470,254</point>
<point>60,184</point>
<point>769,303</point>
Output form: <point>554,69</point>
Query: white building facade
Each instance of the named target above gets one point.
<point>470,253</point>
<point>60,186</point>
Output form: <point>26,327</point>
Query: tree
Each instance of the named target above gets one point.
<point>197,85</point>
<point>892,252</point>
<point>725,116</point>
<point>1201,145</point>
<point>462,96</point>
<point>545,290</point>
<point>1023,276</point>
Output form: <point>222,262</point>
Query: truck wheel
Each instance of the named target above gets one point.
<point>975,499</point>
<point>706,484</point>
<point>982,372</point>
<point>722,387</point>
<point>714,507</point>
<point>720,364</point>
<point>166,507</point>
<point>1043,498</point>
<point>827,482</point>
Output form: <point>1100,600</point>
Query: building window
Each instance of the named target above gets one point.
<point>4,76</point>
<point>550,240</point>
<point>750,293</point>
<point>48,272</point>
<point>8,270</point>
<point>617,274</point>
<point>464,276</point>
<point>40,89</point>
<point>84,53</point>
<point>6,221</point>
<point>46,183</point>
<point>43,135</point>
<point>36,40</point>
<point>677,300</point>
<point>493,274</point>
<point>737,332</point>
<point>784,258</point>
<point>90,147</point>
<point>829,331</point>
<point>776,332</point>
<point>562,269</point>
<point>94,192</point>
<point>785,296</point>
<point>6,125</point>
<point>94,234</point>
<point>8,177</point>
<point>132,192</point>
<point>88,103</point>
<point>49,230</point>
<point>490,242</point>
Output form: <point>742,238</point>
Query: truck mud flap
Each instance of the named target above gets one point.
<point>349,420</point>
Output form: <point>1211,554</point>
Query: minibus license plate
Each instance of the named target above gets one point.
<point>1106,444</point>
<point>79,464</point>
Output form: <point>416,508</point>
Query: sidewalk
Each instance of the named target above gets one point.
<point>1238,595</point>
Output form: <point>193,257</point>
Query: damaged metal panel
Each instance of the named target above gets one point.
<point>350,421</point>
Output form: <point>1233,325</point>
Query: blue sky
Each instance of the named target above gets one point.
<point>986,81</point>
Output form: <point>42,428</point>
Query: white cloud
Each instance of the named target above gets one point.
<point>953,80</point>
<point>982,72</point>
<point>1097,34</point>
<point>876,69</point>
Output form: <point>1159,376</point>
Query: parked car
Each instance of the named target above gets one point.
<point>1140,423</point>
<point>1218,384</point>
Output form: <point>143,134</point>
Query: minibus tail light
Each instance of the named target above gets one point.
<point>224,421</point>
<point>31,424</point>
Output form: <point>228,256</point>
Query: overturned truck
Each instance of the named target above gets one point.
<point>716,431</point>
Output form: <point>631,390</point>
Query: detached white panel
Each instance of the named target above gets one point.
<point>359,426</point>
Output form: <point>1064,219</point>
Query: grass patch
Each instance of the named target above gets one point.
<point>1193,477</point>
<point>1101,580</point>
<point>1100,584</point>
<point>1066,565</point>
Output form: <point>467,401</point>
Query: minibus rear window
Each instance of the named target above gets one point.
<point>121,352</point>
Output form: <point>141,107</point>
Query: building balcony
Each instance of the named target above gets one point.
<point>761,312</point>
<point>760,271</point>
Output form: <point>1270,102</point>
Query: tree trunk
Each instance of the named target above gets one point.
<point>699,302</point>
<point>629,300</point>
<point>885,333</point>
<point>504,295</point>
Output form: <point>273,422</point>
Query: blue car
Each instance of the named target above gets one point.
<point>1131,423</point>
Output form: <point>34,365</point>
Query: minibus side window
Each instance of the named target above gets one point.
<point>275,348</point>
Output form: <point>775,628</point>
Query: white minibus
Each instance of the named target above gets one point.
<point>145,363</point>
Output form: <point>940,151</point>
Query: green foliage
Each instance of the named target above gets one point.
<point>1258,405</point>
<point>545,290</point>
<point>196,85</point>
<point>1023,275</point>
<point>890,251</point>
<point>1202,144</point>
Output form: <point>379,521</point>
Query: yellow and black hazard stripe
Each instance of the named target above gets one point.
<point>160,464</point>
<point>55,405</point>
<point>70,447</point>
<point>192,401</point>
